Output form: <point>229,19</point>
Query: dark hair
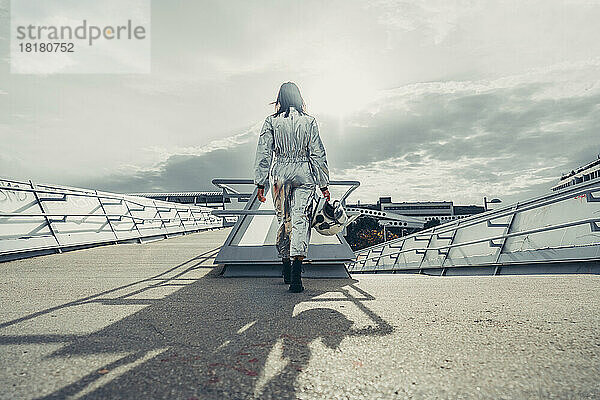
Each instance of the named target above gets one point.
<point>289,96</point>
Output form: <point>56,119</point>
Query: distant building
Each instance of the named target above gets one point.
<point>207,199</point>
<point>441,210</point>
<point>584,173</point>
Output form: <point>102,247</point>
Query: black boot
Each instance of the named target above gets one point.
<point>287,271</point>
<point>296,285</point>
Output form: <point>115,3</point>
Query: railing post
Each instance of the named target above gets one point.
<point>180,220</point>
<point>399,250</point>
<point>164,226</point>
<point>43,210</point>
<point>506,232</point>
<point>206,217</point>
<point>448,250</point>
<point>135,226</point>
<point>426,250</point>
<point>106,215</point>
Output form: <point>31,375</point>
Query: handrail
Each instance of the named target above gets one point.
<point>476,219</point>
<point>488,239</point>
<point>16,215</point>
<point>135,218</point>
<point>82,194</point>
<point>242,212</point>
<point>224,183</point>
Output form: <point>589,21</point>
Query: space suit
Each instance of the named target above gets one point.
<point>299,164</point>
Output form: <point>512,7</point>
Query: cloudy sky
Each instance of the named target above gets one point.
<point>421,100</point>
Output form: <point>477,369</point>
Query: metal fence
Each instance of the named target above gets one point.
<point>558,227</point>
<point>37,219</point>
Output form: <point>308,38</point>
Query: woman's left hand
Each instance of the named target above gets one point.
<point>261,195</point>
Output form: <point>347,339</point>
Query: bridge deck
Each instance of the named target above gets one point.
<point>156,321</point>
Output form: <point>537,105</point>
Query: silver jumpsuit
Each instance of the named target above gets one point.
<point>300,163</point>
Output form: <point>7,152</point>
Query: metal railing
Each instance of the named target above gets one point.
<point>545,229</point>
<point>40,218</point>
<point>252,245</point>
<point>488,239</point>
<point>230,192</point>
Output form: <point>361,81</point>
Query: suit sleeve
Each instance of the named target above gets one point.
<point>264,154</point>
<point>317,156</point>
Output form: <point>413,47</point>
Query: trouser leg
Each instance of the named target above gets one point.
<point>282,202</point>
<point>286,270</point>
<point>301,212</point>
<point>296,276</point>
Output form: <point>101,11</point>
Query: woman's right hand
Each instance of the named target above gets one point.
<point>261,195</point>
<point>326,194</point>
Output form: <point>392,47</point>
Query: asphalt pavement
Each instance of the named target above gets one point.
<point>157,321</point>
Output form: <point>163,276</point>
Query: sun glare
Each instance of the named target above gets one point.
<point>338,95</point>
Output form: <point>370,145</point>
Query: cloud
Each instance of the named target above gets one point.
<point>465,181</point>
<point>187,168</point>
<point>461,141</point>
<point>508,138</point>
<point>181,173</point>
<point>436,19</point>
<point>227,143</point>
<point>450,126</point>
<point>217,65</point>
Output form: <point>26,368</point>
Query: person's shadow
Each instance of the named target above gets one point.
<point>213,338</point>
<point>295,352</point>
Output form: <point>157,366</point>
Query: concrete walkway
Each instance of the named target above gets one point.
<point>157,321</point>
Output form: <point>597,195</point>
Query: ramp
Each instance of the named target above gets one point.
<point>249,250</point>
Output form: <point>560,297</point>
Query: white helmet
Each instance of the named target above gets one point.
<point>329,219</point>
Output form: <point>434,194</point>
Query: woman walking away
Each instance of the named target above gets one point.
<point>299,164</point>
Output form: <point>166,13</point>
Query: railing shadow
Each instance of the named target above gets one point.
<point>162,278</point>
<point>213,338</point>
